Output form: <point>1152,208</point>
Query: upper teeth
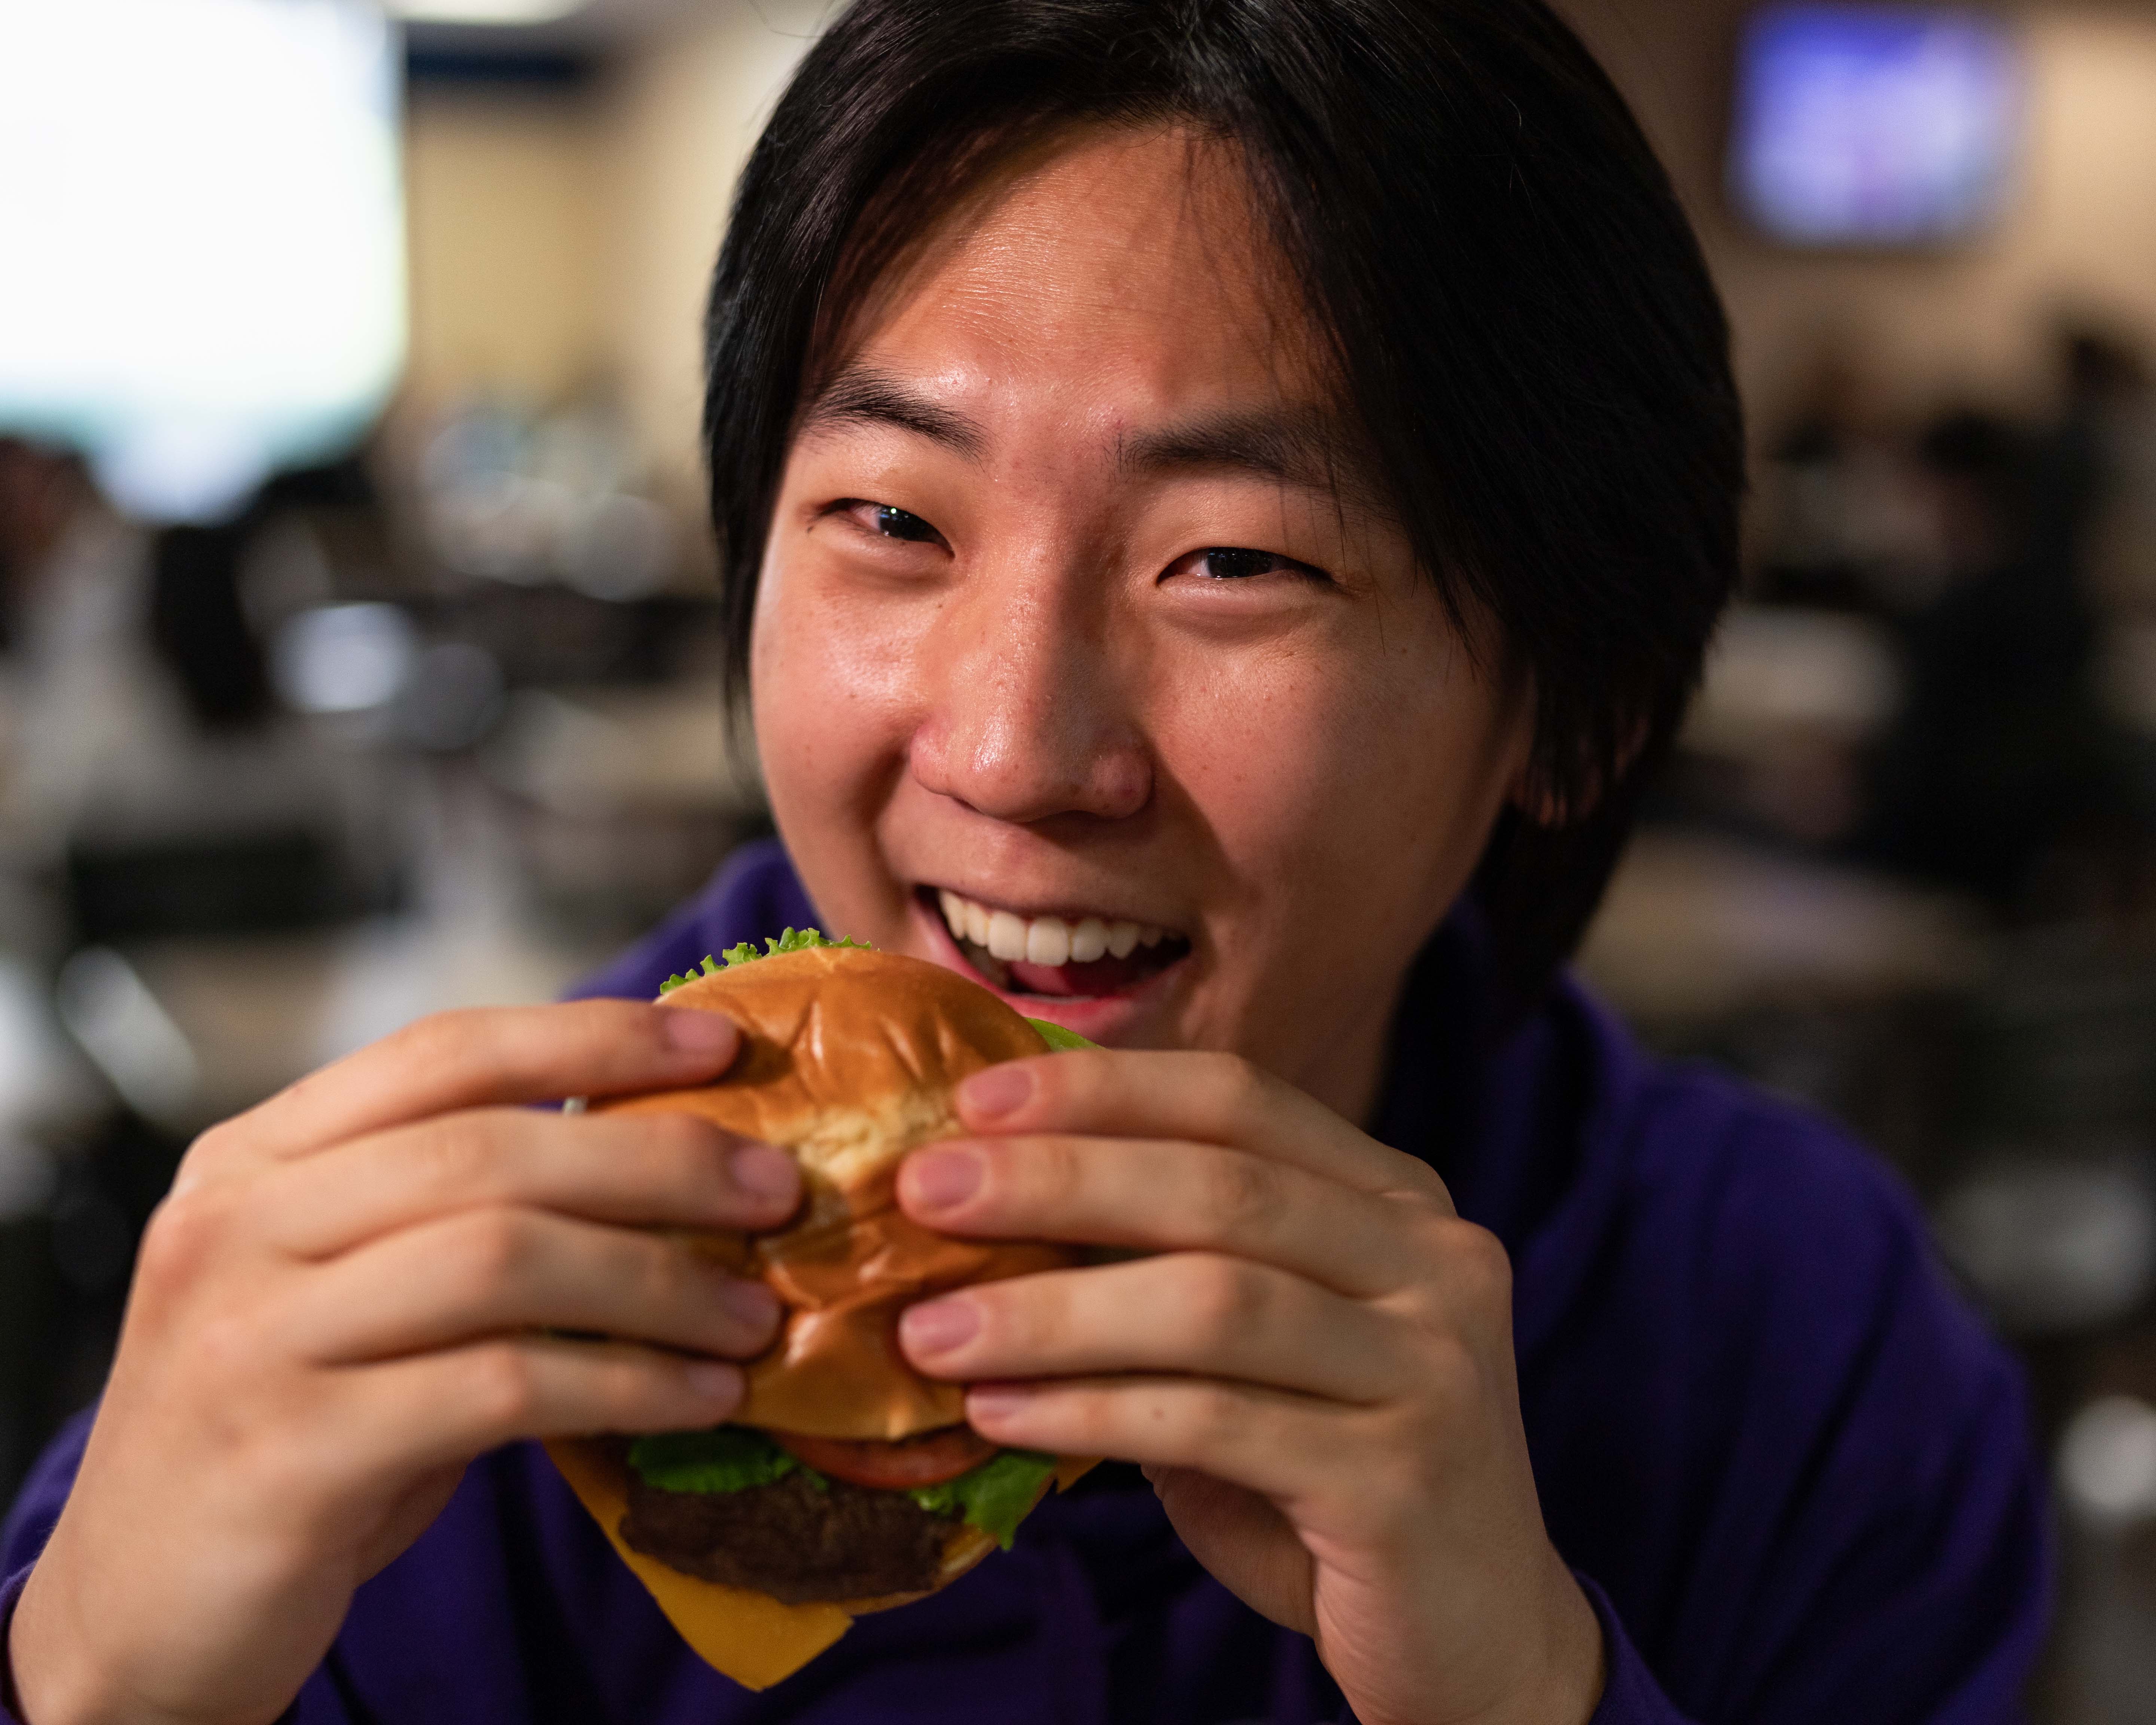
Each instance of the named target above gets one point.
<point>1045,940</point>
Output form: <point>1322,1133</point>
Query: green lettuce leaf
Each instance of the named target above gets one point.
<point>793,941</point>
<point>995,1496</point>
<point>728,1458</point>
<point>1059,1038</point>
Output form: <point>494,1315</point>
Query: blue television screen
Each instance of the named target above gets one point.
<point>1874,126</point>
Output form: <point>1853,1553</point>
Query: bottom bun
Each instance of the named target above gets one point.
<point>744,1634</point>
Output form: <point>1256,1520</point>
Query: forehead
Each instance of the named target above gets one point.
<point>1129,272</point>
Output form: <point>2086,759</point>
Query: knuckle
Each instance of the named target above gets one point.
<point>1035,1318</point>
<point>667,1275</point>
<point>602,1019</point>
<point>680,1147</point>
<point>1429,1230</point>
<point>1092,1418</point>
<point>438,1038</point>
<point>1239,1088</point>
<point>630,1389</point>
<point>1480,1263</point>
<point>187,1233</point>
<point>505,1387</point>
<point>460,1153</point>
<point>494,1248</point>
<point>216,1145</point>
<point>1226,1300</point>
<point>1047,1174</point>
<point>474,1043</point>
<point>1211,1416</point>
<point>1424,1187</point>
<point>1241,1195</point>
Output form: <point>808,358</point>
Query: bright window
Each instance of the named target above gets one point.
<point>201,213</point>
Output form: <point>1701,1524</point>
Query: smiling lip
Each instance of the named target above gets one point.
<point>1093,988</point>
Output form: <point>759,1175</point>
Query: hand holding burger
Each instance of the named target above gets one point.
<point>357,1288</point>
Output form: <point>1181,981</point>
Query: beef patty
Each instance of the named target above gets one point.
<point>791,1539</point>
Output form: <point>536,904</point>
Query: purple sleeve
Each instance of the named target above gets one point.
<point>753,897</point>
<point>1800,1471</point>
<point>11,1590</point>
<point>1630,1696</point>
<point>23,1536</point>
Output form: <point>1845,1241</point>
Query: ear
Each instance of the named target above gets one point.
<point>1533,796</point>
<point>1547,804</point>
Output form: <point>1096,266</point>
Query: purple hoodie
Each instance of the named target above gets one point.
<point>1792,1469</point>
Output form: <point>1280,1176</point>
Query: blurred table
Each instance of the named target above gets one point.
<point>1697,928</point>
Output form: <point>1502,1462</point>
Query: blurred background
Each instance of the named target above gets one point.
<point>358,648</point>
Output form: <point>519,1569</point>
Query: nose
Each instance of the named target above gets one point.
<point>1030,716</point>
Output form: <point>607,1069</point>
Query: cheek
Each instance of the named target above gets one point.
<point>832,696</point>
<point>1348,767</point>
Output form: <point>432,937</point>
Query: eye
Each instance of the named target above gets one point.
<point>1231,562</point>
<point>882,520</point>
<point>902,524</point>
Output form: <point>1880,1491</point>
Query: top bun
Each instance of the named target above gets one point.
<point>850,1059</point>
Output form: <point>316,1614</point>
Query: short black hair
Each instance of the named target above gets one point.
<point>1518,309</point>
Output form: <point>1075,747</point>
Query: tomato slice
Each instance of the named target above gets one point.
<point>928,1460</point>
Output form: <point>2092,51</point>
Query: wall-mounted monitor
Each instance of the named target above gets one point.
<point>202,213</point>
<point>1868,126</point>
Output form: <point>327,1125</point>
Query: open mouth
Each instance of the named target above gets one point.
<point>1056,957</point>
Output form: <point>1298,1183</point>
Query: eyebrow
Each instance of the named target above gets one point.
<point>1295,446</point>
<point>860,396</point>
<point>1299,446</point>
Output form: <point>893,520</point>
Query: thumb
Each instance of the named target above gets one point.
<point>1246,1544</point>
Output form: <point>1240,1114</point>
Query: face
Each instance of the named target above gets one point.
<point>1087,662</point>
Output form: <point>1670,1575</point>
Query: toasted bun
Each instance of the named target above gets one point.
<point>851,1059</point>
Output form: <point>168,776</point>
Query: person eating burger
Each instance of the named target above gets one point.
<point>1221,507</point>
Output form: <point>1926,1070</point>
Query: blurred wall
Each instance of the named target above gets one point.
<point>683,115</point>
<point>562,239</point>
<point>507,195</point>
<point>2079,234</point>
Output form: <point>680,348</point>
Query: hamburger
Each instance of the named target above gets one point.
<point>845,1482</point>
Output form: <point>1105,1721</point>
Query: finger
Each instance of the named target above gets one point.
<point>1208,1098</point>
<point>446,1408</point>
<point>1194,1313</point>
<point>1242,1540</point>
<point>490,1272</point>
<point>1168,1196</point>
<point>1267,1441</point>
<point>658,1170</point>
<point>490,1057</point>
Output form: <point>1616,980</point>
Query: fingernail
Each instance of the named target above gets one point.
<point>752,1304</point>
<point>941,1179</point>
<point>694,1031</point>
<point>763,1171</point>
<point>998,1091</point>
<point>715,1382</point>
<point>938,1326</point>
<point>993,1401</point>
